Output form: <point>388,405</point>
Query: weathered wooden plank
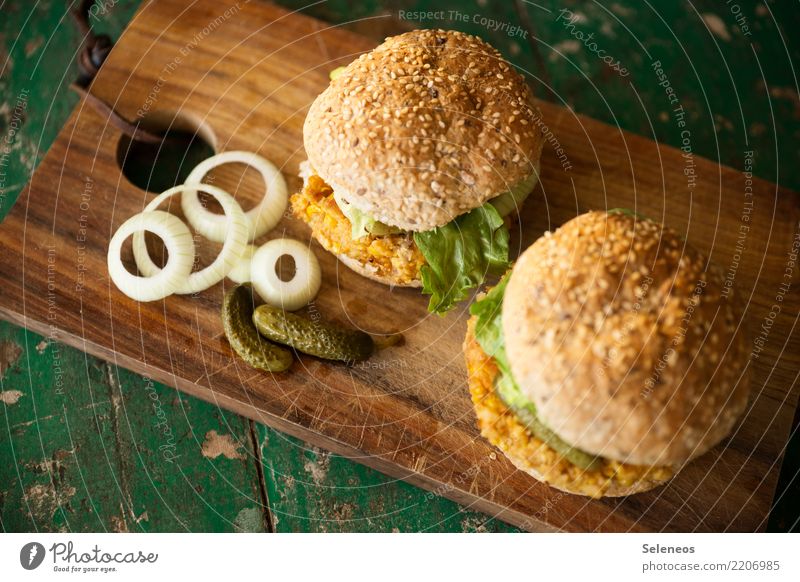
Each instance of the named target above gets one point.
<point>56,474</point>
<point>87,447</point>
<point>311,490</point>
<point>733,76</point>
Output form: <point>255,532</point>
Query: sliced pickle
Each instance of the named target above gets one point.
<point>317,338</point>
<point>237,321</point>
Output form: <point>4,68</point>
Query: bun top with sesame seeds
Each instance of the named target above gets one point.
<point>621,335</point>
<point>424,128</point>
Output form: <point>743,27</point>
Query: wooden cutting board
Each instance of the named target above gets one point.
<point>246,73</point>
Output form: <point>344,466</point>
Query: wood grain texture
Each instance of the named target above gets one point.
<point>249,81</point>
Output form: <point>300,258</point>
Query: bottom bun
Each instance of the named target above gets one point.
<point>501,428</point>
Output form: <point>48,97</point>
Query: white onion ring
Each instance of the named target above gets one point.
<point>180,246</point>
<point>289,295</point>
<point>234,245</point>
<point>260,219</point>
<point>240,273</point>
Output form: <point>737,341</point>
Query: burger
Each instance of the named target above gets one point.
<point>420,152</point>
<point>608,357</point>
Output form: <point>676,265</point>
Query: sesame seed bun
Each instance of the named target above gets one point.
<point>623,339</point>
<point>429,125</point>
<point>501,428</point>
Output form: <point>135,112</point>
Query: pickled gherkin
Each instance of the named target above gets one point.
<point>237,321</point>
<point>317,338</point>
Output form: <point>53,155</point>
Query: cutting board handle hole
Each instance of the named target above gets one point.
<point>156,167</point>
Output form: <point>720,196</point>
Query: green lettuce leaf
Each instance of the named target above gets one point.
<point>627,212</point>
<point>460,254</point>
<point>512,200</point>
<point>361,222</point>
<point>488,329</point>
<point>489,335</point>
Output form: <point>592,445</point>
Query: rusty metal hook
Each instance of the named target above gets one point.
<point>92,55</point>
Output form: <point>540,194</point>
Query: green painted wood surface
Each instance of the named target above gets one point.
<point>108,450</point>
<point>114,451</point>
